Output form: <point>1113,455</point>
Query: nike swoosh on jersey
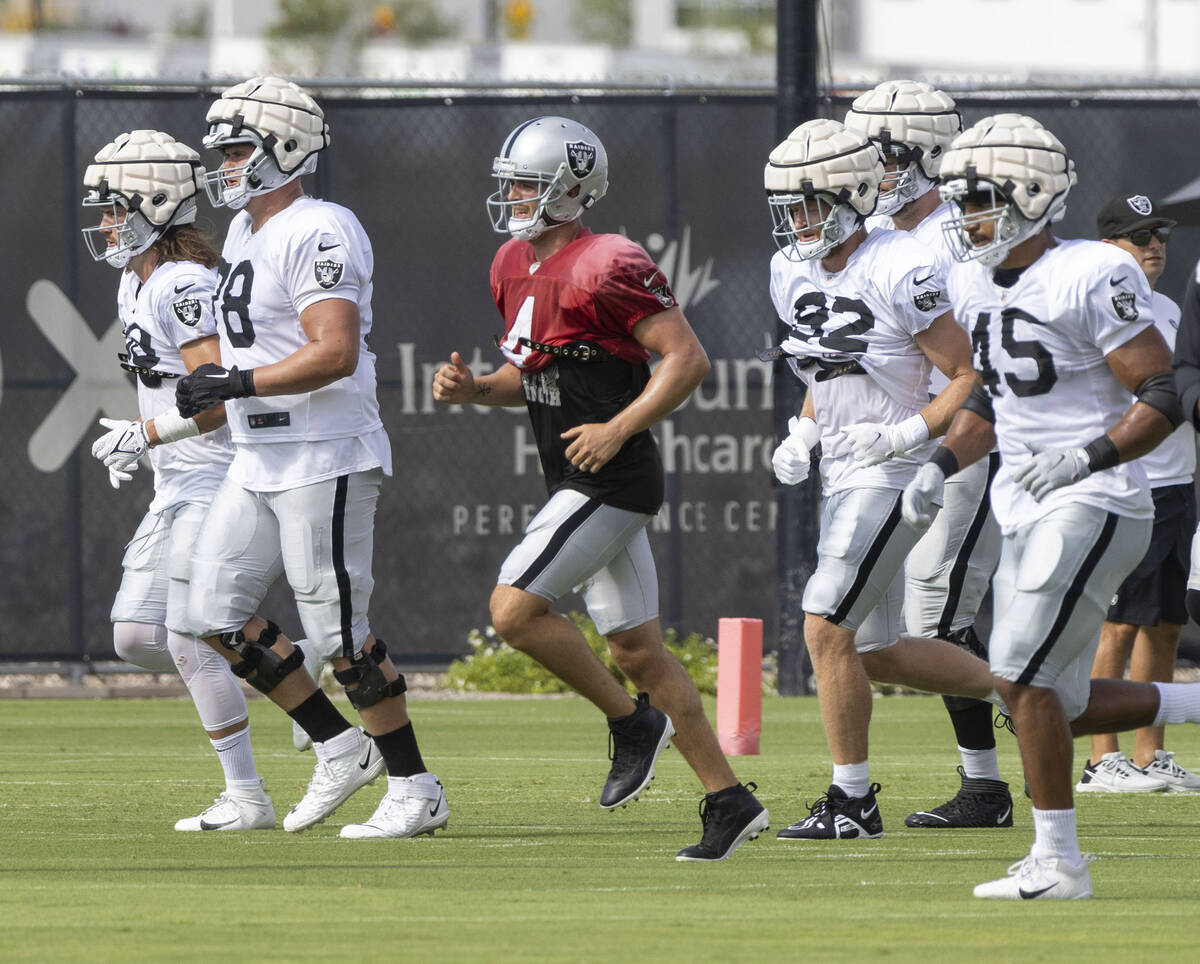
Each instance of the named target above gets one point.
<point>180,289</point>
<point>1118,281</point>
<point>646,281</point>
<point>927,278</point>
<point>1031,894</point>
<point>326,247</point>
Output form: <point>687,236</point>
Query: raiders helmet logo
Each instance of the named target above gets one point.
<point>581,157</point>
<point>187,311</point>
<point>328,273</point>
<point>1125,307</point>
<point>1140,204</point>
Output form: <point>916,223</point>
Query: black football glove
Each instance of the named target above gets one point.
<point>210,385</point>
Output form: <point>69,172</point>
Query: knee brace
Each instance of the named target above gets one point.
<point>269,668</point>
<point>373,687</point>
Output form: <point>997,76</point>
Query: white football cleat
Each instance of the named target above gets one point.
<point>1045,878</point>
<point>1178,779</point>
<point>333,781</point>
<point>413,806</point>
<point>1115,773</point>
<point>243,811</point>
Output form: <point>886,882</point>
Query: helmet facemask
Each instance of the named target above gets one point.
<point>552,204</point>
<point>905,183</point>
<point>992,206</point>
<point>127,233</point>
<point>835,220</point>
<point>233,187</point>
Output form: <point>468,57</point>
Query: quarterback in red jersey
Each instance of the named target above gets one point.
<point>583,312</point>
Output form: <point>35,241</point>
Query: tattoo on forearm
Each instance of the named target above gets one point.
<point>483,389</point>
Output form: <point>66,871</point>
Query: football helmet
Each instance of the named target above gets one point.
<point>1016,172</point>
<point>910,122</point>
<point>285,125</point>
<point>828,173</point>
<point>558,155</point>
<point>146,182</point>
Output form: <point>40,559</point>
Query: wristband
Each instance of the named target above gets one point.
<point>1101,453</point>
<point>170,426</point>
<point>910,433</point>
<point>246,377</point>
<point>945,460</point>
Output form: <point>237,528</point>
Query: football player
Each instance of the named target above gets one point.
<point>868,318</point>
<point>293,300</point>
<point>1148,610</point>
<point>948,571</point>
<point>582,314</point>
<point>1063,332</point>
<point>143,187</point>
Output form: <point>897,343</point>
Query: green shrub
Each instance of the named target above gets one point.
<point>493,666</point>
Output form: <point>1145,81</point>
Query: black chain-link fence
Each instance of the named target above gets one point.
<point>685,182</point>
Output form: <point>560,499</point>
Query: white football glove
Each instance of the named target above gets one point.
<point>917,504</point>
<point>875,442</point>
<point>120,448</point>
<point>793,456</point>
<point>1052,469</point>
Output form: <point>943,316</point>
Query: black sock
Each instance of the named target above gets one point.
<point>400,753</point>
<point>319,718</point>
<point>972,723</point>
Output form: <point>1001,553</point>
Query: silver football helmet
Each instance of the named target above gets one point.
<point>144,182</point>
<point>912,123</point>
<point>566,162</point>
<point>285,125</point>
<point>826,175</point>
<point>1017,176</point>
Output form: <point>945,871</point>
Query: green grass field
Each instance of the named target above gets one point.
<point>530,867</point>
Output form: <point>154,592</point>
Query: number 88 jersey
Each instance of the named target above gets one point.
<point>1039,348</point>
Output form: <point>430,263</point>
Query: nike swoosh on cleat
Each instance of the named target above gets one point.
<point>180,289</point>
<point>434,809</point>
<point>866,814</point>
<point>1004,816</point>
<point>1031,894</point>
<point>205,825</point>
<point>366,761</point>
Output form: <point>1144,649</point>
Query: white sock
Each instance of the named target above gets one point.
<point>237,760</point>
<point>853,778</point>
<point>338,745</point>
<point>1054,835</point>
<point>400,784</point>
<point>980,764</point>
<point>1177,703</point>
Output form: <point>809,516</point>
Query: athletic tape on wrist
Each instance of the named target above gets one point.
<point>172,427</point>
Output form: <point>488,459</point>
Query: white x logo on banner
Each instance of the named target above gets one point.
<point>100,386</point>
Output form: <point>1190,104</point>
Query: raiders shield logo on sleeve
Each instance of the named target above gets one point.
<point>1125,306</point>
<point>328,273</point>
<point>926,300</point>
<point>187,311</point>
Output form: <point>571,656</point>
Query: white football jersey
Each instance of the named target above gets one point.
<point>1040,347</point>
<point>890,290</point>
<point>172,308</point>
<point>928,232</point>
<point>308,252</point>
<point>1173,462</point>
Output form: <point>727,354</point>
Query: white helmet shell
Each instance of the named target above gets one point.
<point>914,122</point>
<point>1021,167</point>
<point>567,163</point>
<point>285,125</point>
<point>147,182</point>
<point>824,162</point>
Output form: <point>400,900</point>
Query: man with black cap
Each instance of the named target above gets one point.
<point>1148,612</point>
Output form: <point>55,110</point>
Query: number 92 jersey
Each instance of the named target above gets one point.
<point>1039,348</point>
<point>891,289</point>
<point>310,251</point>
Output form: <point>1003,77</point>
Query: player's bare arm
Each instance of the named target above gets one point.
<point>683,366</point>
<point>454,383</point>
<point>332,327</point>
<point>202,351</point>
<point>1143,365</point>
<point>945,344</point>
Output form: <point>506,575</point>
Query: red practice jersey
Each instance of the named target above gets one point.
<point>569,328</point>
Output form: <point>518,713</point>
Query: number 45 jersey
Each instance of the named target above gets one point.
<point>862,319</point>
<point>310,251</point>
<point>1039,348</point>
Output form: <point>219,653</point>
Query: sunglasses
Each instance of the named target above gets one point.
<point>1141,237</point>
